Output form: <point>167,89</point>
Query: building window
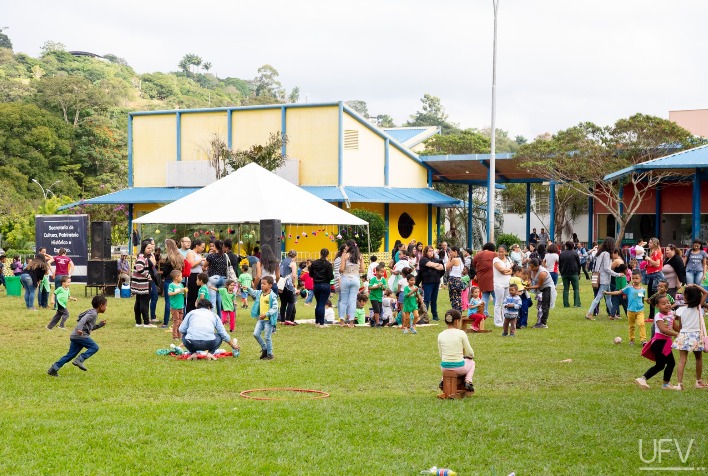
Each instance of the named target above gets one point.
<point>541,202</point>
<point>351,140</point>
<point>405,225</point>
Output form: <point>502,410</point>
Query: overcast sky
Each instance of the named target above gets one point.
<point>559,62</point>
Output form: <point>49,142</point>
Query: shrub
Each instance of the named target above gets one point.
<point>508,239</point>
<point>377,231</point>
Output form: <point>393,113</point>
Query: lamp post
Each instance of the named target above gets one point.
<point>491,185</point>
<point>48,189</point>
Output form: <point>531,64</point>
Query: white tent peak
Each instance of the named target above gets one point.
<point>249,195</point>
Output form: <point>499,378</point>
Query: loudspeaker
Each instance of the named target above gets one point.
<point>101,272</point>
<point>100,240</point>
<point>271,235</point>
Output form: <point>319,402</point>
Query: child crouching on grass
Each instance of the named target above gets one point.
<point>265,309</point>
<point>80,338</point>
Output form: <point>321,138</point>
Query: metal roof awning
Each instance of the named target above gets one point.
<point>137,195</point>
<point>383,195</point>
<point>682,163</point>
<point>474,169</point>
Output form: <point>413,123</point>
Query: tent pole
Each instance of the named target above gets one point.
<point>238,240</point>
<point>368,238</point>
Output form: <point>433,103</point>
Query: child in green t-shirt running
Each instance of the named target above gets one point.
<point>410,305</point>
<point>176,291</point>
<point>228,295</point>
<point>377,283</point>
<point>245,280</point>
<point>63,296</point>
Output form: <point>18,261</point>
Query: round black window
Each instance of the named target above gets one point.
<point>405,225</point>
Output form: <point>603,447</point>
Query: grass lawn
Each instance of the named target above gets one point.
<point>135,412</point>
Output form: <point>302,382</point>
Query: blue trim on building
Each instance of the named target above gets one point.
<point>178,121</point>
<point>283,130</point>
<point>430,177</point>
<point>340,142</point>
<point>130,150</point>
<point>696,206</point>
<point>387,163</point>
<point>239,108</point>
<point>388,225</point>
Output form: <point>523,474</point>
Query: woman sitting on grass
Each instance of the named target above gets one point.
<point>455,350</point>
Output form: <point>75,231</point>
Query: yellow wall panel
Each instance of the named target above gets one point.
<point>404,171</point>
<point>253,127</point>
<point>419,213</point>
<point>364,166</point>
<point>198,129</point>
<point>154,145</point>
<point>313,140</point>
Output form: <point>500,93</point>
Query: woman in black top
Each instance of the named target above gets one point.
<point>322,274</point>
<point>30,277</point>
<point>430,272</point>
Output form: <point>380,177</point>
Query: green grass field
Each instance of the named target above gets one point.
<point>135,412</point>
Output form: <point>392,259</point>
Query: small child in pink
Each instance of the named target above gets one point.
<point>475,310</point>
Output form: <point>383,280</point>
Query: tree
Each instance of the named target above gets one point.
<point>73,95</point>
<point>189,63</point>
<point>115,59</point>
<point>294,95</point>
<point>384,120</point>
<point>50,47</point>
<point>582,155</point>
<point>5,41</point>
<point>377,231</point>
<point>360,107</point>
<point>267,85</point>
<point>469,141</point>
<point>219,155</point>
<point>432,114</point>
<point>206,66</point>
<point>268,156</point>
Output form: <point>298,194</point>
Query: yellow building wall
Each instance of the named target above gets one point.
<point>313,139</point>
<point>419,213</point>
<point>365,165</point>
<point>154,145</point>
<point>252,127</point>
<point>404,171</point>
<point>198,129</point>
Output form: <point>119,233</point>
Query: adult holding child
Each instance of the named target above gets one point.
<point>194,256</point>
<point>696,262</point>
<point>350,268</point>
<point>173,262</point>
<point>430,270</point>
<point>602,266</point>
<point>502,269</point>
<point>454,269</point>
<point>322,274</point>
<point>483,263</point>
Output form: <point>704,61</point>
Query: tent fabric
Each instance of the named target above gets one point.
<point>249,195</point>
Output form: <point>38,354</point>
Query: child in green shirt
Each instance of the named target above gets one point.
<point>245,280</point>
<point>176,292</point>
<point>63,296</point>
<point>359,315</point>
<point>203,293</point>
<point>377,283</point>
<point>228,294</point>
<point>410,305</point>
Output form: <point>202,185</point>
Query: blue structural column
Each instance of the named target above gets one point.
<point>229,128</point>
<point>696,206</point>
<point>283,130</point>
<point>178,121</point>
<point>552,212</point>
<point>430,224</point>
<point>469,216</point>
<point>657,213</point>
<point>388,225</point>
<point>528,212</point>
<point>591,221</point>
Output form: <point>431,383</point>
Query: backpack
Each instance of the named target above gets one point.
<point>186,268</point>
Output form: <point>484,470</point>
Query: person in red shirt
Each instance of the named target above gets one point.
<point>485,272</point>
<point>655,263</point>
<point>64,267</point>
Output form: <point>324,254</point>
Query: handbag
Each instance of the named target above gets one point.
<point>230,273</point>
<point>281,284</point>
<point>595,280</point>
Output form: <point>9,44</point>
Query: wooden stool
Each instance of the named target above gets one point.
<point>465,321</point>
<point>453,385</point>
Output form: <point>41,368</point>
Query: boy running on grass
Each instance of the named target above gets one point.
<point>80,338</point>
<point>63,296</point>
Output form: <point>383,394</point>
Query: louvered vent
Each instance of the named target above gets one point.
<point>351,140</point>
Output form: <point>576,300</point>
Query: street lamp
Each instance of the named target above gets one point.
<point>491,185</point>
<point>45,190</point>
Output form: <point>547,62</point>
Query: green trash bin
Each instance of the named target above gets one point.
<point>14,286</point>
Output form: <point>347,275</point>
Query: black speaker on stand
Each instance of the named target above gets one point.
<point>102,273</point>
<point>100,240</point>
<point>271,235</point>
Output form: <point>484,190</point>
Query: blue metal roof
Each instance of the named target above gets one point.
<point>695,158</point>
<point>403,135</point>
<point>383,195</point>
<point>137,195</point>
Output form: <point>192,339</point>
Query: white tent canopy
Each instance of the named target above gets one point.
<point>249,195</point>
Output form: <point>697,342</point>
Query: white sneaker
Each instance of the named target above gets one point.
<point>668,386</point>
<point>642,382</point>
<point>149,325</point>
<point>138,325</point>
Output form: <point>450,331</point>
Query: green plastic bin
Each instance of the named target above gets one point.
<point>14,286</point>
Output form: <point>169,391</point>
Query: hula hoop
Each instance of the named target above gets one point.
<point>317,393</point>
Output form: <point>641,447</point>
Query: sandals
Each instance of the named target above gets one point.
<point>701,384</point>
<point>589,317</point>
